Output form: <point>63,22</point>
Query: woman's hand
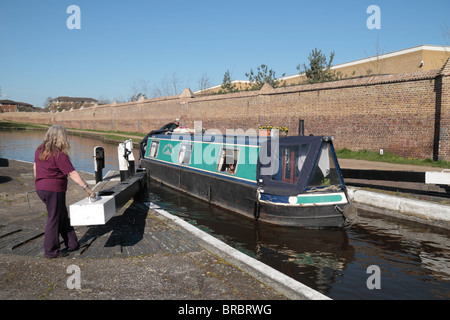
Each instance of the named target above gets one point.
<point>75,176</point>
<point>91,194</point>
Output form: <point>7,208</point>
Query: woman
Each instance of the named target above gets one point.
<point>51,168</point>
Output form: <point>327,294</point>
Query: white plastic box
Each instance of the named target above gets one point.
<point>88,213</point>
<point>436,177</point>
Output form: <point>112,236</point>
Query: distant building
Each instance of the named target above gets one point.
<point>26,107</point>
<point>8,106</point>
<point>420,58</point>
<point>67,103</point>
<point>15,106</point>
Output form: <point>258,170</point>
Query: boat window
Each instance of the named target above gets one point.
<point>154,146</point>
<point>184,156</point>
<point>290,163</point>
<point>228,160</point>
<point>325,172</point>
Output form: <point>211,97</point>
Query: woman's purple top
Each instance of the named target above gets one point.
<point>51,175</point>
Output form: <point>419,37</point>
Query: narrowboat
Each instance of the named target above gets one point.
<point>287,181</point>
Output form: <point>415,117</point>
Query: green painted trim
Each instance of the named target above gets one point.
<point>205,156</point>
<point>319,199</point>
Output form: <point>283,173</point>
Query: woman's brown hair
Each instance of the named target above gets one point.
<point>55,141</point>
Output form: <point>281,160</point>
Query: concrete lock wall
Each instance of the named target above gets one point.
<point>408,114</point>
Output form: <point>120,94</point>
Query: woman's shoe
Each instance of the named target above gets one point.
<point>74,249</point>
<point>61,254</point>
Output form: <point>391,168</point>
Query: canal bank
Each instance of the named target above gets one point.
<point>141,253</point>
<point>415,202</point>
<point>414,210</point>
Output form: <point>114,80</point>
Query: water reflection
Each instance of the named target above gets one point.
<point>414,260</point>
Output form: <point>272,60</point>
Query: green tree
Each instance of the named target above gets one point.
<point>318,70</point>
<point>136,97</point>
<point>227,86</point>
<point>264,75</point>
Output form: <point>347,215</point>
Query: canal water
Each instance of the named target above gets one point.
<point>413,260</point>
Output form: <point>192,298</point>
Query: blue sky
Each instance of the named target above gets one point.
<point>122,44</point>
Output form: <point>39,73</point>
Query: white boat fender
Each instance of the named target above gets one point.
<point>257,208</point>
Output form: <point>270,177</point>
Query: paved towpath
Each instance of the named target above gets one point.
<point>138,254</point>
<point>375,165</point>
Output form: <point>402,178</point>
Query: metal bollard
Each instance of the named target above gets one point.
<point>99,163</point>
<point>123,162</point>
<point>126,160</point>
<point>131,161</point>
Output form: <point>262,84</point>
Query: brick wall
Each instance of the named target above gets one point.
<point>443,106</point>
<point>408,114</point>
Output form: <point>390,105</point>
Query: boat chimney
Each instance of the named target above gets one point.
<point>301,127</point>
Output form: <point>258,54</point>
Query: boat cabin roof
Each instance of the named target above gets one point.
<point>217,138</point>
<point>285,166</point>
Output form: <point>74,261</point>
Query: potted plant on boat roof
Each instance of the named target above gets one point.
<point>264,131</point>
<point>282,131</point>
<point>268,131</point>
